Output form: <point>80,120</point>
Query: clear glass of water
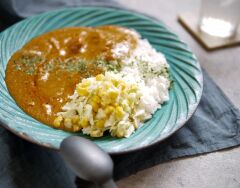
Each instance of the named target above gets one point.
<point>219,18</point>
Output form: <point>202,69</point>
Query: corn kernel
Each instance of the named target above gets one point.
<point>100,123</point>
<point>115,104</point>
<point>83,122</point>
<point>119,112</point>
<point>99,77</point>
<point>115,82</point>
<point>76,128</point>
<point>103,106</point>
<point>68,122</point>
<point>109,109</point>
<point>82,91</point>
<point>85,83</point>
<point>75,119</point>
<point>95,106</point>
<point>113,94</point>
<point>96,99</point>
<point>106,101</point>
<point>96,133</point>
<point>57,121</point>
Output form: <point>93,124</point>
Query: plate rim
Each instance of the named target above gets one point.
<point>128,10</point>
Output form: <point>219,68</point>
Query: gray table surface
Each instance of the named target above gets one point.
<point>219,169</point>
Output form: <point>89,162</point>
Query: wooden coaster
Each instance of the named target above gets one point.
<point>190,23</point>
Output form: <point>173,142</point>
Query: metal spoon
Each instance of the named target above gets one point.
<point>88,161</point>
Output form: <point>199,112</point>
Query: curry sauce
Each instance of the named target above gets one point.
<point>44,72</point>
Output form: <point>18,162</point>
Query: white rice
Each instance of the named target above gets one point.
<point>154,89</point>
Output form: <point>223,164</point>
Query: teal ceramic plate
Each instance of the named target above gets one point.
<point>184,69</point>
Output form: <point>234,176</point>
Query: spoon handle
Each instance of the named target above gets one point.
<point>108,184</point>
<point>88,161</point>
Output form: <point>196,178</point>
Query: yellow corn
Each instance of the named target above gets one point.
<point>100,123</point>
<point>109,109</point>
<point>95,106</point>
<point>85,83</point>
<point>76,128</point>
<point>83,122</point>
<point>106,101</point>
<point>115,82</point>
<point>68,122</point>
<point>96,133</point>
<point>119,112</point>
<point>113,94</point>
<point>75,119</point>
<point>82,91</point>
<point>110,100</point>
<point>96,99</point>
<point>99,77</point>
<point>57,121</point>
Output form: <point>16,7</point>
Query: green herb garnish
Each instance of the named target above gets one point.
<point>109,65</point>
<point>149,72</point>
<point>28,63</point>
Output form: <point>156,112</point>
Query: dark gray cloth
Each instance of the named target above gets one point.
<point>14,10</point>
<point>214,126</point>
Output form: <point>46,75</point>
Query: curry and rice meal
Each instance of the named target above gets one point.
<point>89,79</point>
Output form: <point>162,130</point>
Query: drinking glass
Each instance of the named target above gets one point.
<point>219,18</point>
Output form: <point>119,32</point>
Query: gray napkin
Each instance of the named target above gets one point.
<point>214,126</point>
<point>15,10</point>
